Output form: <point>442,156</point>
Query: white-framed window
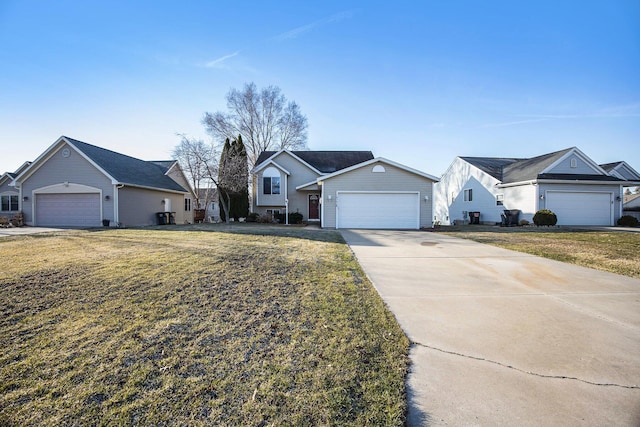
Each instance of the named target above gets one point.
<point>187,205</point>
<point>271,181</point>
<point>499,199</point>
<point>468,195</point>
<point>9,203</point>
<point>273,212</point>
<point>574,163</point>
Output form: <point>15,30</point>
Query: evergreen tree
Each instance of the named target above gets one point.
<point>233,179</point>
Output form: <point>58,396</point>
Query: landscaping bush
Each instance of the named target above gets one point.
<point>252,217</point>
<point>545,217</point>
<point>524,222</point>
<point>295,218</point>
<point>628,221</point>
<point>265,219</point>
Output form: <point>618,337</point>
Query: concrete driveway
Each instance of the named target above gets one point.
<point>505,338</point>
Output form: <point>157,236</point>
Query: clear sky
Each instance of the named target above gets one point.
<point>417,82</point>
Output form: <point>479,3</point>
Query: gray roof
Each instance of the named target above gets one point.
<point>610,166</point>
<point>129,170</point>
<point>325,161</point>
<point>509,170</point>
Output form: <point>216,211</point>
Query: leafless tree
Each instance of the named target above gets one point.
<point>265,119</point>
<point>201,163</point>
<point>194,156</point>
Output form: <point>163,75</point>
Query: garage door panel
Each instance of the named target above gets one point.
<point>378,210</point>
<point>70,210</point>
<point>580,208</point>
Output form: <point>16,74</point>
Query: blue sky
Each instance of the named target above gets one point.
<point>416,82</point>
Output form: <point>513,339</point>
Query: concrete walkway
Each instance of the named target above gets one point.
<point>505,338</point>
<point>24,231</point>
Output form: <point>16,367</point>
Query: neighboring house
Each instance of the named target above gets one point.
<point>76,184</point>
<point>568,182</point>
<point>208,200</point>
<point>10,196</point>
<point>632,202</point>
<point>342,189</point>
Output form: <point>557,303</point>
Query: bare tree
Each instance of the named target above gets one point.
<point>264,119</point>
<point>194,155</point>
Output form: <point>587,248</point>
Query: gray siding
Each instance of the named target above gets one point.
<point>73,169</point>
<point>582,167</point>
<point>298,200</point>
<point>363,179</point>
<point>139,206</point>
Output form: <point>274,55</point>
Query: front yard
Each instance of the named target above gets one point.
<point>201,325</point>
<point>616,252</point>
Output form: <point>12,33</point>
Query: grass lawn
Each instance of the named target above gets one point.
<point>195,325</point>
<point>616,252</point>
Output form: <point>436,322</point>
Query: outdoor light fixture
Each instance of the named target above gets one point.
<point>162,202</point>
<point>107,197</point>
<point>542,197</point>
<point>426,198</point>
<point>329,197</point>
<point>25,198</point>
<point>618,198</point>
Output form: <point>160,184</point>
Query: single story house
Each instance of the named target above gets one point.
<point>75,184</point>
<point>567,182</point>
<point>342,189</point>
<point>208,200</point>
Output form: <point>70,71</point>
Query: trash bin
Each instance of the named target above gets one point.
<point>474,217</point>
<point>162,218</point>
<point>172,217</point>
<point>511,217</point>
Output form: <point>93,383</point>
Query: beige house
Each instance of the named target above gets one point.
<point>75,184</point>
<point>343,189</point>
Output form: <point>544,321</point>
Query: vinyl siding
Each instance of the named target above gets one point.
<point>73,169</point>
<point>522,197</point>
<point>298,200</point>
<point>616,190</point>
<point>449,194</point>
<point>363,179</point>
<point>139,206</point>
<point>5,190</point>
<point>582,167</point>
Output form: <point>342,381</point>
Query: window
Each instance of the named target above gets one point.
<point>273,212</point>
<point>574,163</point>
<point>187,205</point>
<point>271,185</point>
<point>9,203</point>
<point>499,199</point>
<point>271,181</point>
<point>468,195</point>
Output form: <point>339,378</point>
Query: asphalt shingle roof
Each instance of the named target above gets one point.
<point>325,161</point>
<point>509,170</point>
<point>129,170</point>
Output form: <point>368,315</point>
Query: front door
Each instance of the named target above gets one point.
<point>314,211</point>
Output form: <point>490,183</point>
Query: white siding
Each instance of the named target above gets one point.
<point>523,197</point>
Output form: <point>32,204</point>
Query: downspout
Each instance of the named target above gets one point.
<point>116,203</point>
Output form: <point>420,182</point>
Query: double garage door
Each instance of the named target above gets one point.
<point>378,210</point>
<point>581,208</point>
<point>68,210</point>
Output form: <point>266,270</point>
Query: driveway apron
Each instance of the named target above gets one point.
<point>506,338</point>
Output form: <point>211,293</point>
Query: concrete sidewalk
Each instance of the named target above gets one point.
<point>24,231</point>
<point>506,338</point>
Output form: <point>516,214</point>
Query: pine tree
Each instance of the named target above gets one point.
<point>233,180</point>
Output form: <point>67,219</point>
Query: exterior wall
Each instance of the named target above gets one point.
<point>363,179</point>
<point>449,194</point>
<point>74,170</point>
<point>139,206</point>
<point>175,173</point>
<point>582,167</point>
<point>635,203</point>
<point>616,190</point>
<point>298,200</point>
<point>5,190</point>
<point>523,197</point>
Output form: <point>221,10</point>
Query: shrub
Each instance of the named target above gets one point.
<point>265,219</point>
<point>545,217</point>
<point>295,218</point>
<point>252,217</point>
<point>524,222</point>
<point>628,221</point>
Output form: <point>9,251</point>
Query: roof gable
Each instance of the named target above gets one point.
<point>121,169</point>
<point>621,170</point>
<point>529,169</point>
<point>378,160</point>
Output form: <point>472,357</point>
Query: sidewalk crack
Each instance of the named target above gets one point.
<point>535,374</point>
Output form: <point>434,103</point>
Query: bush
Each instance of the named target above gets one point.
<point>545,217</point>
<point>265,219</point>
<point>295,218</point>
<point>628,221</point>
<point>252,217</point>
<point>524,222</point>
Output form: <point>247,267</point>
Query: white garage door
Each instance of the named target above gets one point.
<point>378,210</point>
<point>71,210</point>
<point>580,208</point>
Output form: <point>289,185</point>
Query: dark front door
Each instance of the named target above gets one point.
<point>314,211</point>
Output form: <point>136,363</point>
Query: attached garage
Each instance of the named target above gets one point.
<point>581,208</point>
<point>378,210</point>
<point>68,210</point>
